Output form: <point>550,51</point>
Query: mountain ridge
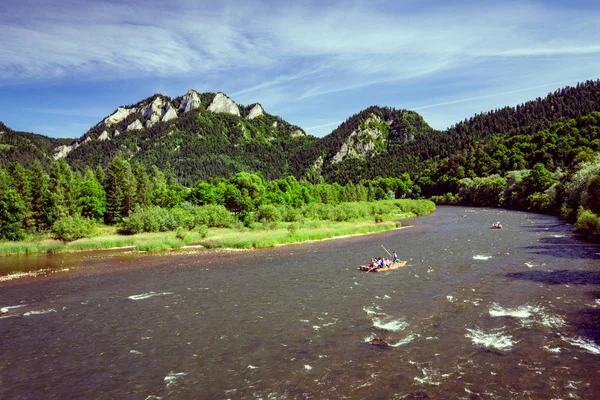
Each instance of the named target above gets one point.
<point>204,135</point>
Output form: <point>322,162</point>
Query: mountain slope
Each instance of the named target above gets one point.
<point>198,135</point>
<point>25,147</point>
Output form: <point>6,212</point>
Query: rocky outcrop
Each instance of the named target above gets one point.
<point>170,113</point>
<point>190,101</point>
<point>256,111</point>
<point>135,125</point>
<point>298,133</point>
<point>117,133</point>
<point>103,136</point>
<point>153,112</point>
<point>223,104</point>
<point>360,143</point>
<point>118,116</point>
<point>61,152</point>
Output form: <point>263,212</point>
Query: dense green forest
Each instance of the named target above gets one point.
<point>69,203</point>
<point>541,156</point>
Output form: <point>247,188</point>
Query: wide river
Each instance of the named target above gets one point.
<point>476,313</point>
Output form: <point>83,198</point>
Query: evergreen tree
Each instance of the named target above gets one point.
<point>92,197</point>
<point>42,210</point>
<point>120,191</point>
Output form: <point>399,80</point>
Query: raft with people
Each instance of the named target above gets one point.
<point>388,267</point>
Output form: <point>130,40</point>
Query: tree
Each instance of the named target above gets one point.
<point>42,210</point>
<point>120,191</point>
<point>92,198</point>
<point>11,209</point>
<point>62,188</point>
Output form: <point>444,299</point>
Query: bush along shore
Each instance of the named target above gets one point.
<point>214,226</point>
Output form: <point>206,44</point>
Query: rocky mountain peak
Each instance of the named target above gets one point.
<point>256,111</point>
<point>191,101</point>
<point>223,104</point>
<point>118,116</point>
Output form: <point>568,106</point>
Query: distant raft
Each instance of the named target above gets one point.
<point>394,265</point>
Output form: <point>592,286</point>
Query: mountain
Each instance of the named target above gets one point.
<point>204,135</point>
<point>198,136</point>
<point>26,147</point>
<point>470,144</point>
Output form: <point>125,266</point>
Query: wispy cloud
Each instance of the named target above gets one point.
<point>283,54</point>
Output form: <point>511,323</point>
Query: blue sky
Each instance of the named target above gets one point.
<point>65,65</point>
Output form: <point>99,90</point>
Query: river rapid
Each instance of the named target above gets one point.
<point>476,313</point>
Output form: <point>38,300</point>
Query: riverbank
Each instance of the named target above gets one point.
<point>262,236</point>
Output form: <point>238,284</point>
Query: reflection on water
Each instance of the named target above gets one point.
<point>477,313</point>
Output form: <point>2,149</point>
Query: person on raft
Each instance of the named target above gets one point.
<point>395,257</point>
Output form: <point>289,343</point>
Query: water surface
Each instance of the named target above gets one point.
<point>477,313</point>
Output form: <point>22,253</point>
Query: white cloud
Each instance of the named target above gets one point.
<point>281,54</point>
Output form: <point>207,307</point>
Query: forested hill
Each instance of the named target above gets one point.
<point>204,135</point>
<point>472,139</point>
<point>25,147</point>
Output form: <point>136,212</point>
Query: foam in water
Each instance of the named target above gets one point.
<point>252,367</point>
<point>17,275</point>
<point>375,310</point>
<point>8,308</point>
<point>585,344</point>
<point>528,315</point>
<point>38,312</point>
<point>450,298</point>
<point>307,367</point>
<point>431,377</point>
<point>481,257</point>
<point>388,324</point>
<point>495,340</point>
<point>552,349</point>
<point>369,338</point>
<point>530,265</point>
<point>404,341</point>
<point>147,295</point>
<point>173,377</point>
<point>519,312</point>
<point>135,352</point>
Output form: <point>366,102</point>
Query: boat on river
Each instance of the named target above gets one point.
<point>394,265</point>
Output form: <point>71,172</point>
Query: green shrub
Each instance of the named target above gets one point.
<point>203,230</point>
<point>72,228</point>
<point>268,213</point>
<point>293,229</point>
<point>587,224</point>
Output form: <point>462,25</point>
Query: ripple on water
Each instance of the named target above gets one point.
<point>39,312</point>
<point>585,344</point>
<point>147,295</point>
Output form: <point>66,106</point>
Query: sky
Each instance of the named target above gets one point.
<point>65,65</point>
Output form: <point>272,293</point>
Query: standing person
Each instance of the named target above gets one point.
<point>395,257</point>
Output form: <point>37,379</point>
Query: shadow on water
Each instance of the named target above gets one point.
<point>561,277</point>
<point>587,323</point>
<point>560,227</point>
<point>571,252</point>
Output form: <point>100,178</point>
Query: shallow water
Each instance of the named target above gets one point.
<point>477,313</point>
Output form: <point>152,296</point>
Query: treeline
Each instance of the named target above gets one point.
<point>69,203</point>
<point>564,179</point>
<point>472,142</point>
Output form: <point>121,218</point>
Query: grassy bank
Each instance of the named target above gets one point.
<point>312,226</point>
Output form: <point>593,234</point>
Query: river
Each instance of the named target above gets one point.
<point>476,313</point>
